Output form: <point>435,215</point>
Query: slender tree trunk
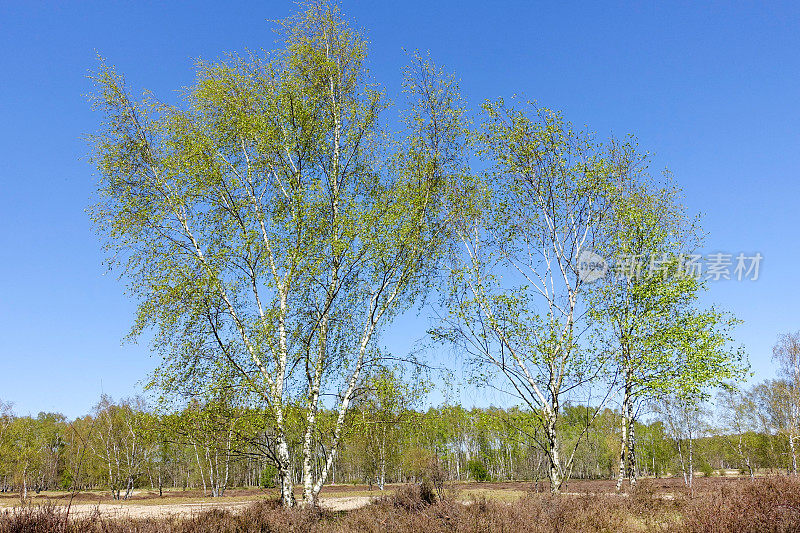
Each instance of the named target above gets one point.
<point>310,487</point>
<point>623,445</point>
<point>213,471</point>
<point>683,462</point>
<point>227,463</point>
<point>382,479</point>
<point>631,448</point>
<point>376,311</point>
<point>309,495</point>
<point>627,460</point>
<point>691,466</point>
<point>285,472</point>
<point>129,487</point>
<point>556,478</point>
<point>200,467</point>
<point>745,457</point>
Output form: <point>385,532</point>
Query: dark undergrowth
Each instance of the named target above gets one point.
<point>769,504</point>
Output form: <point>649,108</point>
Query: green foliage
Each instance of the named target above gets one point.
<point>269,474</point>
<point>477,470</point>
<point>706,469</point>
<point>661,340</point>
<point>67,481</point>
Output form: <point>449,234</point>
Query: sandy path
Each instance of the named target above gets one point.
<point>132,510</point>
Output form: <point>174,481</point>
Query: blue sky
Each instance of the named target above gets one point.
<point>710,89</point>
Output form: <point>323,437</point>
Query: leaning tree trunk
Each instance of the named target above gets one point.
<point>309,456</point>
<point>745,457</point>
<point>682,461</point>
<point>129,487</point>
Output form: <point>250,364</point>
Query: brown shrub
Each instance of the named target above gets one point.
<point>763,505</point>
<point>768,504</point>
<point>413,497</point>
<point>32,519</point>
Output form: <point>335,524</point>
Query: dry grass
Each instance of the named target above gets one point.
<point>769,504</point>
<point>497,495</point>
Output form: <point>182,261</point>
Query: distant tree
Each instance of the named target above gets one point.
<point>6,444</point>
<point>385,402</point>
<point>656,450</point>
<point>775,400</point>
<point>118,443</point>
<point>49,430</point>
<point>685,416</point>
<point>24,453</point>
<point>740,422</point>
<point>477,470</point>
<point>210,430</point>
<point>268,475</point>
<point>787,353</point>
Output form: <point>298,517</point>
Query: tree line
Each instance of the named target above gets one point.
<point>122,446</point>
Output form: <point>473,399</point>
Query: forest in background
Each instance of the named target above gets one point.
<point>124,446</point>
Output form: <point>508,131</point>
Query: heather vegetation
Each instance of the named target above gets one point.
<point>768,504</point>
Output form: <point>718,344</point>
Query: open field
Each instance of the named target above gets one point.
<point>177,495</point>
<point>146,503</point>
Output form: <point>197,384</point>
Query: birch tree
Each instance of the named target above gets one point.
<point>118,443</point>
<point>740,423</point>
<point>776,408</point>
<point>787,353</point>
<point>385,404</point>
<point>661,341</point>
<point>685,417</point>
<point>516,300</point>
<point>6,443</point>
<point>271,224</point>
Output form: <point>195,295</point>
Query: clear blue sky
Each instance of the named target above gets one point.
<point>712,90</point>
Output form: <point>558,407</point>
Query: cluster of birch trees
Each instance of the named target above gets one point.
<point>273,223</point>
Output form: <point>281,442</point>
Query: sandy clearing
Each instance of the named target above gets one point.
<point>346,503</point>
<point>132,510</point>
